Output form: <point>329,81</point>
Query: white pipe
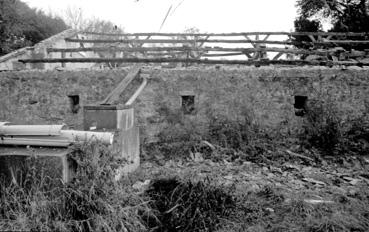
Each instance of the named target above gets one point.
<point>82,136</point>
<point>15,130</point>
<point>137,93</point>
<point>3,123</point>
<point>47,142</point>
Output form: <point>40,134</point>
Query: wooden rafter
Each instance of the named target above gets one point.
<point>322,52</point>
<point>198,61</point>
<point>175,41</point>
<point>347,34</point>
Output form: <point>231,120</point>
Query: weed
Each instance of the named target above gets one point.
<point>355,139</point>
<point>180,206</point>
<point>93,201</point>
<point>322,126</point>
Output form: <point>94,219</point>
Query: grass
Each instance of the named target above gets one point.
<point>93,201</point>
<point>188,206</point>
<point>268,210</point>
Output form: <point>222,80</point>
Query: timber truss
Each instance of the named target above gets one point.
<point>249,48</point>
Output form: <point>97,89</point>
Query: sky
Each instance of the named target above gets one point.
<point>206,15</point>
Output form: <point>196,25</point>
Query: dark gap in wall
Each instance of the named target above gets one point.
<point>74,103</point>
<point>188,104</point>
<point>300,105</point>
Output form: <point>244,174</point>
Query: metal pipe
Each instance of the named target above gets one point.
<point>137,93</point>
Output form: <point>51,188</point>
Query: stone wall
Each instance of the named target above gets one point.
<point>267,94</point>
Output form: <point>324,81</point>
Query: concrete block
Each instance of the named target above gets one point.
<point>15,163</point>
<point>119,119</point>
<point>102,117</point>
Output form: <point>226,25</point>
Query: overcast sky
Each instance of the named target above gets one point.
<point>206,15</point>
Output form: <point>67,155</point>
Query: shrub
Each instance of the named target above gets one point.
<point>355,139</point>
<point>322,126</point>
<point>188,206</point>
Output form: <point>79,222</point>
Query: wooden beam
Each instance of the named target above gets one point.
<point>205,39</point>
<point>174,41</point>
<point>276,57</point>
<point>312,38</point>
<point>249,39</point>
<point>325,52</point>
<point>247,54</point>
<point>266,37</point>
<point>348,34</point>
<point>114,95</point>
<point>198,61</point>
<point>223,54</point>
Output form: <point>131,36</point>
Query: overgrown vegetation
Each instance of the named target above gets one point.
<point>180,206</point>
<point>93,201</point>
<point>222,137</point>
<point>325,130</point>
<point>322,127</point>
<point>242,139</point>
<point>270,210</point>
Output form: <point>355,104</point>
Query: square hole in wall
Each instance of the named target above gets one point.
<point>300,102</point>
<point>74,103</point>
<point>188,104</point>
<point>300,105</point>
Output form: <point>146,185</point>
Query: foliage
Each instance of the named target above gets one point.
<point>355,138</point>
<point>221,137</point>
<point>322,126</point>
<point>305,25</point>
<point>325,130</point>
<point>188,206</point>
<point>177,137</point>
<point>22,26</point>
<point>270,210</point>
<point>344,15</point>
<point>234,134</point>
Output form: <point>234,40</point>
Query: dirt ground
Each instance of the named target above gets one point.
<point>280,196</point>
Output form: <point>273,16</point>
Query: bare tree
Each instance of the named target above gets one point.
<point>74,17</point>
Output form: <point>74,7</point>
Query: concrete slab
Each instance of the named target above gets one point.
<point>53,162</point>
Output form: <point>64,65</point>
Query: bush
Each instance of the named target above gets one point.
<point>355,139</point>
<point>187,206</point>
<point>326,131</point>
<point>322,127</point>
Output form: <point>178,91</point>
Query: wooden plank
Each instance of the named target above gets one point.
<point>312,38</point>
<point>174,41</point>
<point>248,38</point>
<point>247,55</point>
<point>202,43</point>
<point>198,61</point>
<point>233,34</point>
<point>223,54</point>
<point>186,48</point>
<point>114,95</point>
<point>266,37</point>
<point>276,57</point>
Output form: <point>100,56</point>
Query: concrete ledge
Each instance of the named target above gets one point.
<point>52,163</point>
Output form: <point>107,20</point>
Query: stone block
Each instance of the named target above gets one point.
<point>16,162</point>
